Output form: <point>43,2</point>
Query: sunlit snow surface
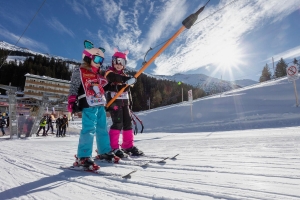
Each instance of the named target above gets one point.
<point>242,145</point>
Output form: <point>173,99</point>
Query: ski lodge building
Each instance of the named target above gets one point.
<point>36,85</point>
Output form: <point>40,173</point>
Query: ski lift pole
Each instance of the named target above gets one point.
<point>187,23</point>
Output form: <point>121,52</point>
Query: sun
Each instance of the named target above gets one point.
<point>228,57</point>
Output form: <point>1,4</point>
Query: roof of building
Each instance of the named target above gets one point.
<point>47,78</point>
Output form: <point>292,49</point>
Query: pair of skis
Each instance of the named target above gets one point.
<point>129,161</point>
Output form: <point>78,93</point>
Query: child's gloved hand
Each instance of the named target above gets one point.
<point>71,101</point>
<point>131,81</point>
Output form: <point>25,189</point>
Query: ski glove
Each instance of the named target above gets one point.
<point>131,81</point>
<point>71,101</point>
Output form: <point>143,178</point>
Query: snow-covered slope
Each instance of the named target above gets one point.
<point>242,145</point>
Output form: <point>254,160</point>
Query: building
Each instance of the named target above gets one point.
<point>36,85</point>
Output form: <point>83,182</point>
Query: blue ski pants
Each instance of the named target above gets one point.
<point>93,123</point>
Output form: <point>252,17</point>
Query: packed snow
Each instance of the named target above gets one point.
<point>243,144</point>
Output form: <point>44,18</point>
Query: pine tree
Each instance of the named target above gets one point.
<point>266,74</point>
<point>295,61</point>
<point>280,70</point>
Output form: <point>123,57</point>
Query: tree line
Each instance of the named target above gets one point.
<point>280,70</point>
<point>160,92</point>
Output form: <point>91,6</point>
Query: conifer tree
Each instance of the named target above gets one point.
<point>295,61</point>
<point>280,70</point>
<point>266,74</point>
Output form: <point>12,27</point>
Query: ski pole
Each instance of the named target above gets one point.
<point>139,121</point>
<point>135,126</point>
<point>187,23</point>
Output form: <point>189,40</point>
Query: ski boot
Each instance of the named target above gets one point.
<point>110,157</point>
<point>133,151</point>
<point>120,153</point>
<point>86,162</point>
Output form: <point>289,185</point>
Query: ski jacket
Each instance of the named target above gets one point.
<point>43,122</point>
<point>49,120</point>
<point>64,122</point>
<point>88,87</point>
<point>116,81</point>
<point>58,121</point>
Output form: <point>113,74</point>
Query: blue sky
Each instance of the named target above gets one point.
<point>234,43</point>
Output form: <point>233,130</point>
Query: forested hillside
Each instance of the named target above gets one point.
<point>160,92</point>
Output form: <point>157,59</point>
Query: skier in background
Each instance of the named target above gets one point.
<point>119,109</point>
<point>64,125</point>
<point>50,119</point>
<point>58,126</point>
<point>43,123</point>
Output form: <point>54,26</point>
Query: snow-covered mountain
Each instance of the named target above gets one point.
<point>208,84</point>
<point>11,47</point>
<point>244,82</point>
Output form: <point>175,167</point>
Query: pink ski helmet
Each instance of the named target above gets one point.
<point>119,58</point>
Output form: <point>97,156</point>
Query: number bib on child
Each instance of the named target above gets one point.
<point>93,87</point>
<point>124,95</point>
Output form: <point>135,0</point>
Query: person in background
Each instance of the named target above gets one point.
<point>2,124</point>
<point>50,119</point>
<point>58,126</point>
<point>64,126</point>
<point>119,109</point>
<point>43,123</point>
<point>87,85</point>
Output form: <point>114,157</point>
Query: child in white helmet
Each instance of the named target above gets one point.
<point>119,109</point>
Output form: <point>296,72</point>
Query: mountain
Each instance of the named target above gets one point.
<point>244,82</point>
<point>11,47</point>
<point>209,84</point>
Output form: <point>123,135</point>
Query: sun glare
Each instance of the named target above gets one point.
<point>228,58</point>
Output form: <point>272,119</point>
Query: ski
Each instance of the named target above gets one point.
<point>141,163</point>
<point>146,159</point>
<point>99,172</point>
<point>156,157</point>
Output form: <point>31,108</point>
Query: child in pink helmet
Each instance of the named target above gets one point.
<point>87,88</point>
<point>119,109</point>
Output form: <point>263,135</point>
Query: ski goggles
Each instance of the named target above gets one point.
<point>95,58</point>
<point>120,61</point>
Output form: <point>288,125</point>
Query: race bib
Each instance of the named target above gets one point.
<point>93,87</point>
<point>124,95</point>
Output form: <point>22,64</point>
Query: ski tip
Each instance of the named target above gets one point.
<point>128,176</point>
<point>174,157</point>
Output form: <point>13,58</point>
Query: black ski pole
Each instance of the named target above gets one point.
<point>135,126</point>
<point>139,121</point>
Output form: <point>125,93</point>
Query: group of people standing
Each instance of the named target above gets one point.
<point>61,125</point>
<point>90,91</point>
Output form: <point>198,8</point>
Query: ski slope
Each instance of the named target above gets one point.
<point>243,144</point>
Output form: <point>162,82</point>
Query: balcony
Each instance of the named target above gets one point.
<point>45,90</point>
<point>47,84</point>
